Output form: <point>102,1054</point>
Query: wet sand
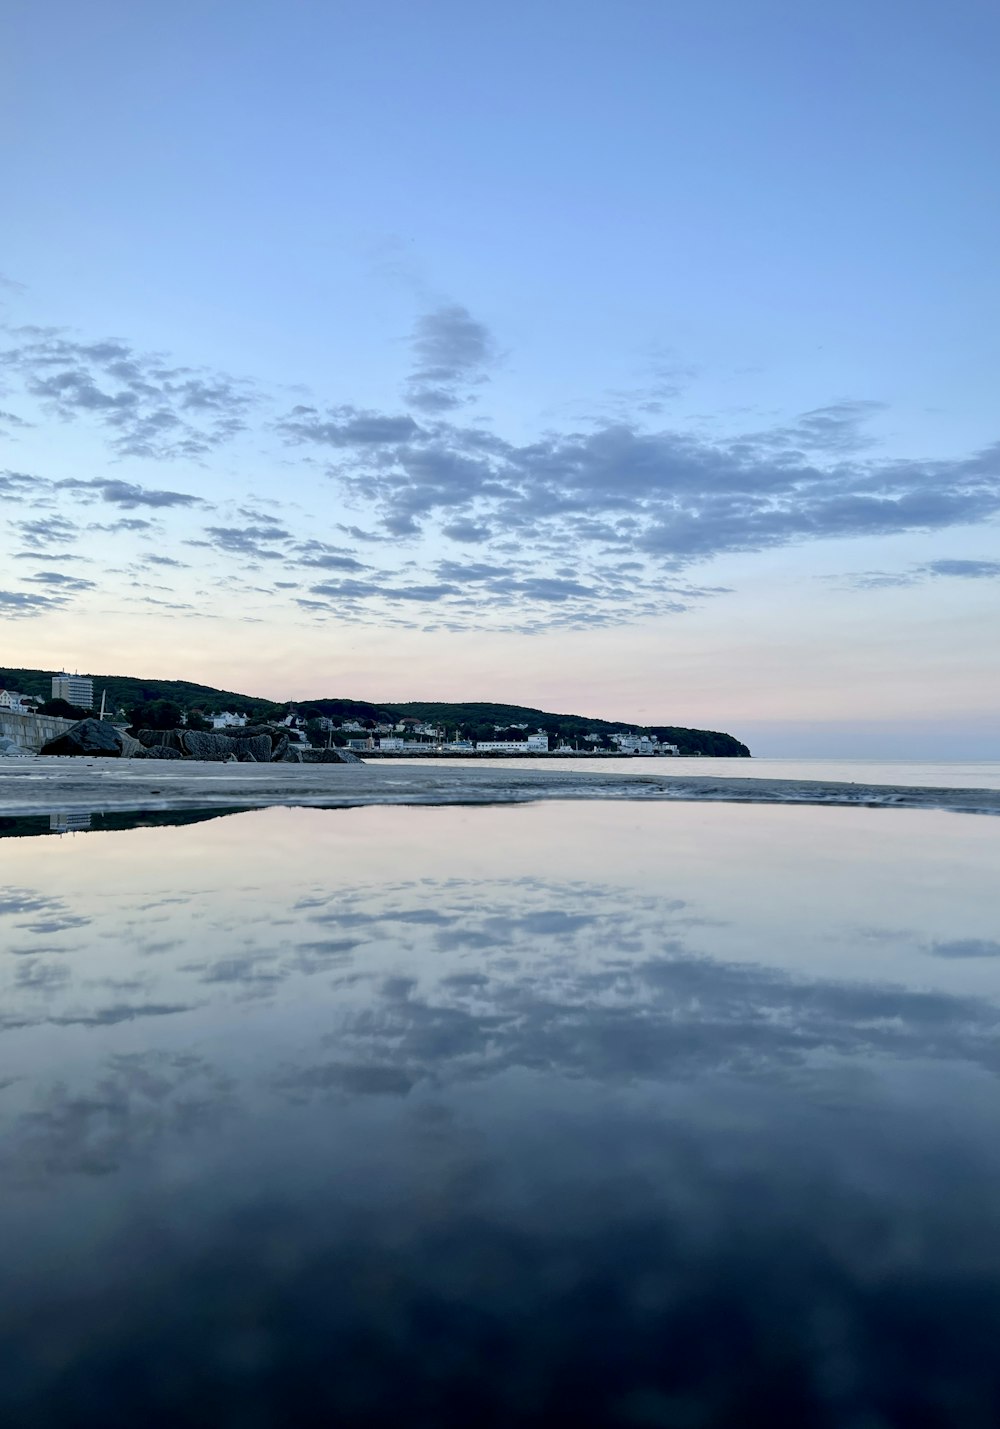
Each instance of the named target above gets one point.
<point>49,785</point>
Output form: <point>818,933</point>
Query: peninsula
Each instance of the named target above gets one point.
<point>472,722</point>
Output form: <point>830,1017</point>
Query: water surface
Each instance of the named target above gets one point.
<point>936,774</point>
<point>593,1113</point>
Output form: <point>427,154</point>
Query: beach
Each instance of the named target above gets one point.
<point>46,785</point>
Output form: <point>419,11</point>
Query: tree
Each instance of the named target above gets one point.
<point>196,720</point>
<point>64,710</point>
<point>315,733</point>
<point>155,714</point>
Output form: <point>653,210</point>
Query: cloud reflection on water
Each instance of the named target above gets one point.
<point>505,1147</point>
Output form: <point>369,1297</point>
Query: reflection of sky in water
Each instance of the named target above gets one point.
<point>617,1112</point>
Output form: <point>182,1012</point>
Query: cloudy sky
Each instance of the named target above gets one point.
<point>636,359</point>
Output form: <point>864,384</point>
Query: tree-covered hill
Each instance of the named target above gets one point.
<point>482,718</point>
<point>124,691</point>
<point>475,720</point>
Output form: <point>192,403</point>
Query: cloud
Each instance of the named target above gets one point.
<point>965,570</point>
<point>16,603</point>
<point>837,428</point>
<point>139,1099</point>
<point>320,556</point>
<point>585,526</point>
<point>119,1012</point>
<point>126,494</point>
<point>18,486</point>
<point>48,530</point>
<point>60,580</point>
<point>360,1079</point>
<point>150,408</point>
<point>670,496</point>
<point>469,533</point>
<point>915,575</point>
<point>134,523</point>
<point>966,948</point>
<point>346,427</point>
<point>453,350</point>
<point>10,421</point>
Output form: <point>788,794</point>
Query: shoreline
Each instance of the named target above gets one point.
<point>49,785</point>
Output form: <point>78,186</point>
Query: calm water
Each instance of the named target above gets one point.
<point>942,774</point>
<point>598,1114</point>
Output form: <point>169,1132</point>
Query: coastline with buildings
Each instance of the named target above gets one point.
<point>456,730</point>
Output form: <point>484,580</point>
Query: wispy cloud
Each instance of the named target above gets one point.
<point>151,408</point>
<point>587,525</point>
<point>946,569</point>
<point>453,352</point>
<point>127,494</point>
<point>20,603</point>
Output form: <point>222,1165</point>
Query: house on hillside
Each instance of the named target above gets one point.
<point>228,720</point>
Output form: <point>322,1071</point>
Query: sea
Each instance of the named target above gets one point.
<point>940,774</point>
<point>616,1113</point>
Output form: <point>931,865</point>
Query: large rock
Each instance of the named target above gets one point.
<point>330,756</point>
<point>159,751</point>
<point>197,745</point>
<point>9,749</point>
<point>254,744</point>
<point>90,736</point>
<point>255,750</point>
<point>170,738</point>
<point>275,732</point>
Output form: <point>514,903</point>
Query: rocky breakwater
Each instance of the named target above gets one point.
<point>254,744</point>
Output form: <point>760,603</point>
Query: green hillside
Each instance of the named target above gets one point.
<point>480,720</point>
<point>124,691</point>
<point>476,720</point>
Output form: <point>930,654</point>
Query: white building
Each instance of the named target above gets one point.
<point>228,720</point>
<point>534,744</point>
<point>11,700</point>
<point>636,743</point>
<point>633,743</point>
<point>391,742</point>
<point>74,689</point>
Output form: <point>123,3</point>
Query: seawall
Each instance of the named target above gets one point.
<point>32,731</point>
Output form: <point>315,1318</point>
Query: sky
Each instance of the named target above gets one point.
<point>631,358</point>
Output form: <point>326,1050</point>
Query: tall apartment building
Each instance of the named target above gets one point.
<point>74,689</point>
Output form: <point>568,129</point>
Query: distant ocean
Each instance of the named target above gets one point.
<point>939,774</point>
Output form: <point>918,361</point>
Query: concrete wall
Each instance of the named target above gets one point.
<point>32,731</point>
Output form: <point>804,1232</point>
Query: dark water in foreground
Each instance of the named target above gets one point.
<point>600,1114</point>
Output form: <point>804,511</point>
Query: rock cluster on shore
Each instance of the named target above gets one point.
<point>253,744</point>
